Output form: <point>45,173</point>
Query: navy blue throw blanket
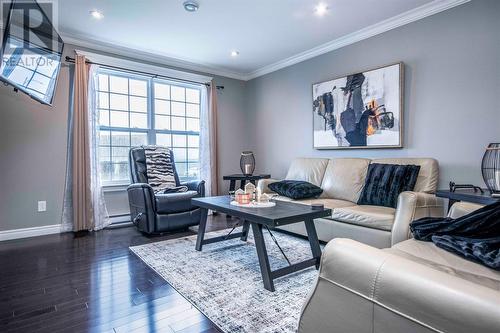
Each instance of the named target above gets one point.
<point>475,236</point>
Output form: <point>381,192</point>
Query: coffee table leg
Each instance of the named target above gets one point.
<point>232,187</point>
<point>246,228</point>
<point>201,229</point>
<point>265,268</point>
<point>313,240</point>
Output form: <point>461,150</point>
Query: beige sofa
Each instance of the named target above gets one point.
<point>342,180</point>
<point>412,287</point>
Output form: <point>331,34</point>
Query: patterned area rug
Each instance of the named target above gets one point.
<point>224,281</point>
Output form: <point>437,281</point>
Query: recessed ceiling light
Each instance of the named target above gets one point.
<point>191,6</point>
<point>234,53</point>
<point>321,9</point>
<point>96,14</point>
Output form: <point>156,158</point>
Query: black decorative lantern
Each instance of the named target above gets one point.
<point>491,168</point>
<point>247,163</point>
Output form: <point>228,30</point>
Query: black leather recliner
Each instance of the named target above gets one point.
<point>156,213</point>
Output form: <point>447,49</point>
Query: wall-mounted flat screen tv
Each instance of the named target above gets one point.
<point>31,50</point>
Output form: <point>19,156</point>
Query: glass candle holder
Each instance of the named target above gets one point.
<point>247,163</point>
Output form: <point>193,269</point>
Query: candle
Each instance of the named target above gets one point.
<point>248,169</point>
<point>497,179</point>
<point>259,193</point>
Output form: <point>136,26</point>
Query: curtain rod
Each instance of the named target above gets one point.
<point>72,60</point>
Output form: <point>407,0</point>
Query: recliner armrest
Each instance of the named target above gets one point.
<point>412,206</point>
<point>146,189</point>
<point>263,184</point>
<point>196,185</point>
<point>142,204</point>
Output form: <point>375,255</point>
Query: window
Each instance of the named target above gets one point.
<point>137,110</point>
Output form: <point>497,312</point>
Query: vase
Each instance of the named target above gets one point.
<point>247,163</point>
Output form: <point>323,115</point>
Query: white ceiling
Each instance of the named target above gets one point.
<point>269,34</point>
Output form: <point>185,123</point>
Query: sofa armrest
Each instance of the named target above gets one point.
<point>462,208</point>
<point>341,300</point>
<point>196,185</point>
<point>412,206</point>
<point>264,183</point>
<point>357,283</point>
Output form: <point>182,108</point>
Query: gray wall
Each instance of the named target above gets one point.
<point>33,148</point>
<point>452,86</point>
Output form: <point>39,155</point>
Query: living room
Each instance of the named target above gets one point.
<point>274,166</point>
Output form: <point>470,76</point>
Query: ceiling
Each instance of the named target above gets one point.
<point>268,34</point>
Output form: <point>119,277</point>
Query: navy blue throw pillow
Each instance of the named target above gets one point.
<point>296,189</point>
<point>384,183</point>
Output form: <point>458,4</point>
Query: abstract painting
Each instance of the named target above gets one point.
<point>361,110</point>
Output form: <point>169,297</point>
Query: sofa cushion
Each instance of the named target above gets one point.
<point>375,217</point>
<point>310,170</point>
<point>384,183</point>
<point>296,189</point>
<point>344,178</point>
<point>430,255</point>
<point>328,203</point>
<point>427,180</point>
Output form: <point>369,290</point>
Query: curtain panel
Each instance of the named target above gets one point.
<point>84,207</point>
<point>209,170</point>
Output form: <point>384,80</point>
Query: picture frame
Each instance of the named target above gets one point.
<point>362,110</point>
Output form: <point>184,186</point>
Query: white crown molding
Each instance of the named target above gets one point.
<point>30,232</point>
<point>121,50</point>
<point>410,16</point>
<point>142,67</point>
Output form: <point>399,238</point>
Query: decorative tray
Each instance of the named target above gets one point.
<point>254,204</point>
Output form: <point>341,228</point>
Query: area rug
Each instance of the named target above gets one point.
<point>224,281</point>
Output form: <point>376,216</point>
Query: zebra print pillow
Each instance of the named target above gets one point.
<point>160,169</point>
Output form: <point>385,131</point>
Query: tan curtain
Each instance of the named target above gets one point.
<point>83,213</point>
<point>213,146</point>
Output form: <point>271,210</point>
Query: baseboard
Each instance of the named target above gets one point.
<point>48,229</point>
<point>30,232</point>
<point>119,218</point>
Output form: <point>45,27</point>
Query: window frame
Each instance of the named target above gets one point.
<point>151,131</point>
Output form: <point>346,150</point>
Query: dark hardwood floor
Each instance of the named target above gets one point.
<point>59,283</point>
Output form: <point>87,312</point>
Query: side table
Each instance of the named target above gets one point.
<point>243,180</point>
<point>468,196</point>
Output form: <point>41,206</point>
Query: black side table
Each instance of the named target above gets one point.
<point>467,195</point>
<point>243,180</point>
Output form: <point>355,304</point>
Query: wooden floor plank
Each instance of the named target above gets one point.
<point>59,283</point>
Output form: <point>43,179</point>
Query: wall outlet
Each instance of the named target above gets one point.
<point>42,206</point>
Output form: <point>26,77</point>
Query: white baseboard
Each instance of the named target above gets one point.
<point>30,232</point>
<point>119,219</point>
<point>48,229</point>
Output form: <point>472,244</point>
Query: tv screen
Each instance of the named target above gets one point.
<point>31,50</point>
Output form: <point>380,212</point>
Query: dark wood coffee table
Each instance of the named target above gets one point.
<point>283,213</point>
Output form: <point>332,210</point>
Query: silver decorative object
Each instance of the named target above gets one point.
<point>247,163</point>
<point>491,168</point>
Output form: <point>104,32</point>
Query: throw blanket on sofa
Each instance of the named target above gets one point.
<point>160,170</point>
<point>475,236</point>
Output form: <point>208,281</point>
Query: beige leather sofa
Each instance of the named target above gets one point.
<point>342,180</point>
<point>412,287</point>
